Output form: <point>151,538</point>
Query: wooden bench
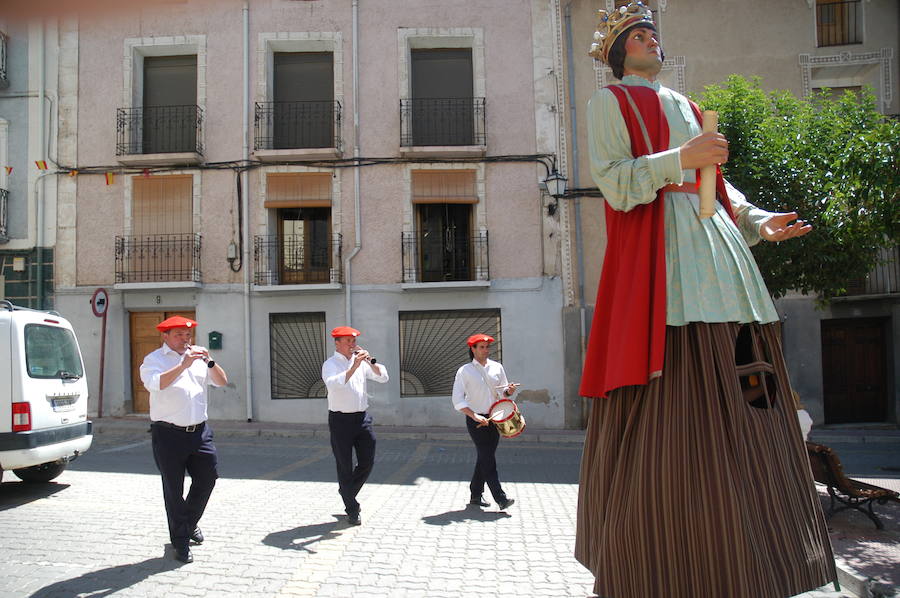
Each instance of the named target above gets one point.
<point>852,494</point>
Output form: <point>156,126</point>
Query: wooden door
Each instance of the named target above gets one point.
<point>854,372</point>
<point>145,338</point>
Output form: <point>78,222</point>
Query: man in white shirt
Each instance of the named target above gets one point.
<point>475,389</point>
<point>345,374</point>
<point>176,375</point>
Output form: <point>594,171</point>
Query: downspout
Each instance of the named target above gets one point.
<point>245,209</point>
<point>38,189</point>
<point>573,123</point>
<point>357,230</point>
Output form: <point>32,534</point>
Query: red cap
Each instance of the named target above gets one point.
<point>344,331</point>
<point>175,322</point>
<point>479,338</point>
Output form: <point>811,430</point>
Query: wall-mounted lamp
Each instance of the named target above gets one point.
<point>556,183</point>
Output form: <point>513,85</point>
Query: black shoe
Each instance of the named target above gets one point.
<point>477,501</point>
<point>184,555</point>
<point>197,535</point>
<point>353,519</point>
<point>504,504</point>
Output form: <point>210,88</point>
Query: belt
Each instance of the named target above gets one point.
<point>191,428</point>
<point>685,188</point>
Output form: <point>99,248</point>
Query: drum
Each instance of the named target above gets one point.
<point>506,416</point>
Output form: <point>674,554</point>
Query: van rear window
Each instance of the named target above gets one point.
<point>51,352</point>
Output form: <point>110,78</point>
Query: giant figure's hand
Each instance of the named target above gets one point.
<point>705,149</point>
<point>781,227</point>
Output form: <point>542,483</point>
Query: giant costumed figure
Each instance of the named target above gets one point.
<point>694,478</point>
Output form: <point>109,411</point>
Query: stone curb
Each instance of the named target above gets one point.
<point>231,428</point>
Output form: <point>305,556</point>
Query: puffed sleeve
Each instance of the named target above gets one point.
<point>626,182</point>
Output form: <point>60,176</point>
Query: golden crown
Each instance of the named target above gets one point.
<point>611,25</point>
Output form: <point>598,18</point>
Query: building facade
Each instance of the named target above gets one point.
<point>843,359</point>
<point>278,168</point>
<point>29,152</point>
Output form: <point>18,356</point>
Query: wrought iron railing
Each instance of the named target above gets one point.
<point>295,259</point>
<point>456,256</point>
<point>442,121</point>
<point>159,130</point>
<point>884,279</point>
<point>4,218</point>
<point>838,23</point>
<point>4,80</point>
<point>158,258</point>
<point>297,125</point>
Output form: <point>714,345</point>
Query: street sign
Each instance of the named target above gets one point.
<point>99,302</point>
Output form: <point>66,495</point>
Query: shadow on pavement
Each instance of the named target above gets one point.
<point>301,537</point>
<point>16,494</point>
<point>107,581</point>
<point>468,514</point>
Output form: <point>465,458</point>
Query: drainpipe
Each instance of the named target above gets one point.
<point>38,189</point>
<point>245,209</point>
<point>579,249</point>
<point>357,244</point>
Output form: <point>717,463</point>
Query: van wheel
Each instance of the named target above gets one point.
<point>40,473</point>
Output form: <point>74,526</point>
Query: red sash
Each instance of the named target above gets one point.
<point>627,339</point>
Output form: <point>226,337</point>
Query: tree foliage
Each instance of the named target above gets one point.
<point>834,161</point>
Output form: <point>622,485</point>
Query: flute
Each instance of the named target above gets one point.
<point>370,359</point>
<point>197,351</point>
<point>708,173</point>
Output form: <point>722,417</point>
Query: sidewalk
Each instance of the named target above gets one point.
<point>868,559</point>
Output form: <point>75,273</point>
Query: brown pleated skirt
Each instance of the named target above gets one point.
<point>697,485</point>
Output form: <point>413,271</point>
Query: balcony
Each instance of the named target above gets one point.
<point>159,135</point>
<point>453,127</point>
<point>295,260</point>
<point>884,279</point>
<point>838,23</point>
<point>4,80</point>
<point>458,259</point>
<point>158,259</point>
<point>4,218</point>
<point>297,131</point>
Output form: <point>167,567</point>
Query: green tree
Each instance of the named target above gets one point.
<point>834,161</point>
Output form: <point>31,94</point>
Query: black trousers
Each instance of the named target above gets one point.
<point>177,452</point>
<point>351,431</point>
<point>486,440</point>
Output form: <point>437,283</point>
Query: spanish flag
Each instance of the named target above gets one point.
<point>41,164</point>
<point>110,178</point>
<point>9,170</point>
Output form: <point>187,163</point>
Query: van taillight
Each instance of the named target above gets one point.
<point>21,417</point>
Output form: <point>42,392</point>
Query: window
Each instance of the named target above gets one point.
<point>4,81</point>
<point>162,246</point>
<point>302,113</point>
<point>298,96</point>
<point>444,247</point>
<point>51,352</point>
<point>297,351</point>
<point>442,107</point>
<point>433,346</point>
<point>303,249</point>
<point>442,91</point>
<point>169,116</point>
<point>165,93</point>
<point>838,22</point>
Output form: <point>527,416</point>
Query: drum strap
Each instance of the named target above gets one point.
<point>483,371</point>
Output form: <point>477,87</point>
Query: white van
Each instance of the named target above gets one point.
<point>43,394</point>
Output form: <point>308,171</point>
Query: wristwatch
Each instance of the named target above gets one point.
<point>210,364</point>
